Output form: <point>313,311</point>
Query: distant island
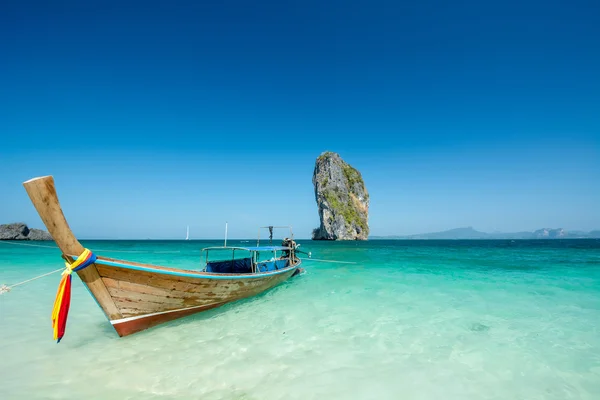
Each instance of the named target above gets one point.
<point>20,231</point>
<point>470,233</point>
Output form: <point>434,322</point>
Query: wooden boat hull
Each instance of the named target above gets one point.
<point>136,296</point>
<point>149,295</point>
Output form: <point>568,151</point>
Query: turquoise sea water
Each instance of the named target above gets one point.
<point>410,320</point>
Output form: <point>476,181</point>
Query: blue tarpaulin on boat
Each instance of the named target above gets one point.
<point>239,266</point>
<point>271,265</point>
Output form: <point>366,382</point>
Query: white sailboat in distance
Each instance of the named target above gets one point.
<point>187,236</point>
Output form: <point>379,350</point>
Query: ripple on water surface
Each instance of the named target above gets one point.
<point>413,321</point>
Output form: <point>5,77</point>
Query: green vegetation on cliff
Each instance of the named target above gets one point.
<point>352,175</point>
<point>347,210</point>
<point>342,199</point>
<point>325,155</point>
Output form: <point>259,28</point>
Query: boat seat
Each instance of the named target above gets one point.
<point>239,266</point>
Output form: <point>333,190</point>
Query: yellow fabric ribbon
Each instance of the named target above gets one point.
<point>60,310</point>
<point>58,302</point>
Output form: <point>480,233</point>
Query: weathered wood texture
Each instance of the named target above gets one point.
<point>135,300</point>
<point>139,292</point>
<point>146,299</point>
<point>129,327</point>
<point>42,193</point>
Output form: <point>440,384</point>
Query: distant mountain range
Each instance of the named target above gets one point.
<point>470,233</point>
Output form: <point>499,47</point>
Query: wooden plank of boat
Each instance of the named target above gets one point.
<point>147,299</point>
<point>136,287</point>
<point>136,296</point>
<point>42,193</point>
<point>144,316</point>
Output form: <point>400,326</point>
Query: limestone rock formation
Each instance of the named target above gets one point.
<point>38,234</point>
<point>20,231</point>
<point>342,199</point>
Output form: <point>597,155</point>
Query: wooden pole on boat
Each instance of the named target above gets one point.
<point>43,195</point>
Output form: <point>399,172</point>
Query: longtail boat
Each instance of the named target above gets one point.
<point>136,296</point>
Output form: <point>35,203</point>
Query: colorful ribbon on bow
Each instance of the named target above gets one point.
<point>60,311</point>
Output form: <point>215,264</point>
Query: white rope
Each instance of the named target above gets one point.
<point>6,289</point>
<point>328,261</point>
<point>96,250</point>
<point>30,245</point>
<point>137,251</point>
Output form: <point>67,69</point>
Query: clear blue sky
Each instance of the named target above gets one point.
<point>152,116</point>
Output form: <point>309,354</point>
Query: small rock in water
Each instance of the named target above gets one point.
<point>477,327</point>
<point>20,231</point>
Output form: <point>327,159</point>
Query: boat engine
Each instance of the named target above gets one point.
<point>287,242</point>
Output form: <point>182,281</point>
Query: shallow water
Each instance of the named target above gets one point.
<point>411,320</point>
